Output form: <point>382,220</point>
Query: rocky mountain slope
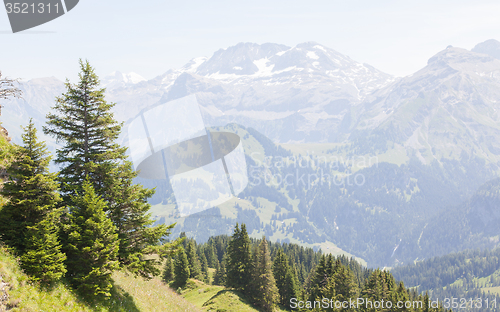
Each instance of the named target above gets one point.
<point>290,94</point>
<point>450,107</point>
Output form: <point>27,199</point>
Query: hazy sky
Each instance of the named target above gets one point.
<point>150,37</point>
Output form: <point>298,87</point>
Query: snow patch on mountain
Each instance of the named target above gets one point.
<point>117,78</point>
<point>312,55</point>
<point>193,65</point>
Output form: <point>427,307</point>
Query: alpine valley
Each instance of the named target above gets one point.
<point>387,169</point>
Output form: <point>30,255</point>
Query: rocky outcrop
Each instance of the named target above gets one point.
<point>5,133</point>
<point>4,295</point>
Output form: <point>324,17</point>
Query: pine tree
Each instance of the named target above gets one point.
<point>84,123</point>
<point>204,269</point>
<point>168,271</point>
<point>92,244</point>
<point>400,294</point>
<point>279,270</point>
<point>43,259</point>
<point>286,278</point>
<point>31,190</point>
<point>265,293</point>
<point>194,263</point>
<point>212,257</point>
<point>319,279</point>
<point>239,262</point>
<point>376,288</point>
<point>346,286</point>
<point>220,274</point>
<point>292,283</point>
<point>29,221</point>
<point>139,239</point>
<point>216,274</point>
<point>181,269</point>
<point>6,157</point>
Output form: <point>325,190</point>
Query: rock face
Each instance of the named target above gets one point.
<point>4,295</point>
<point>449,107</point>
<point>5,133</point>
<point>490,47</point>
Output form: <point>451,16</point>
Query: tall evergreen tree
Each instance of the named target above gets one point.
<point>265,293</point>
<point>280,265</point>
<point>319,279</point>
<point>29,222</point>
<point>286,278</point>
<point>31,190</point>
<point>376,288</point>
<point>82,120</point>
<point>220,274</point>
<point>194,262</point>
<point>344,281</point>
<point>204,269</point>
<point>168,271</point>
<point>212,256</point>
<point>92,248</point>
<point>239,261</point>
<point>292,283</point>
<point>181,269</point>
<point>215,280</point>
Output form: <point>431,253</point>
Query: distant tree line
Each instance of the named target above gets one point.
<point>270,274</point>
<point>458,275</point>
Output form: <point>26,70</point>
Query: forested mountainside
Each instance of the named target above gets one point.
<point>384,213</point>
<point>471,274</point>
<point>297,277</point>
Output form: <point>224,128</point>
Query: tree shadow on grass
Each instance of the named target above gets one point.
<point>217,300</point>
<point>120,300</point>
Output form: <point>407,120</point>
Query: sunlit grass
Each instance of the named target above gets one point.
<point>216,298</point>
<point>128,294</point>
<point>152,295</point>
<point>25,296</point>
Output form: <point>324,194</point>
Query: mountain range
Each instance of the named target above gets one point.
<point>435,136</point>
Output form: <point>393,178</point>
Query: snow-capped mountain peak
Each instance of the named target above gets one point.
<point>193,65</point>
<point>117,78</point>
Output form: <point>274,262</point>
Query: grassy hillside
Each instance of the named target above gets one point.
<point>129,294</point>
<point>216,298</point>
<point>23,296</point>
<point>151,295</point>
